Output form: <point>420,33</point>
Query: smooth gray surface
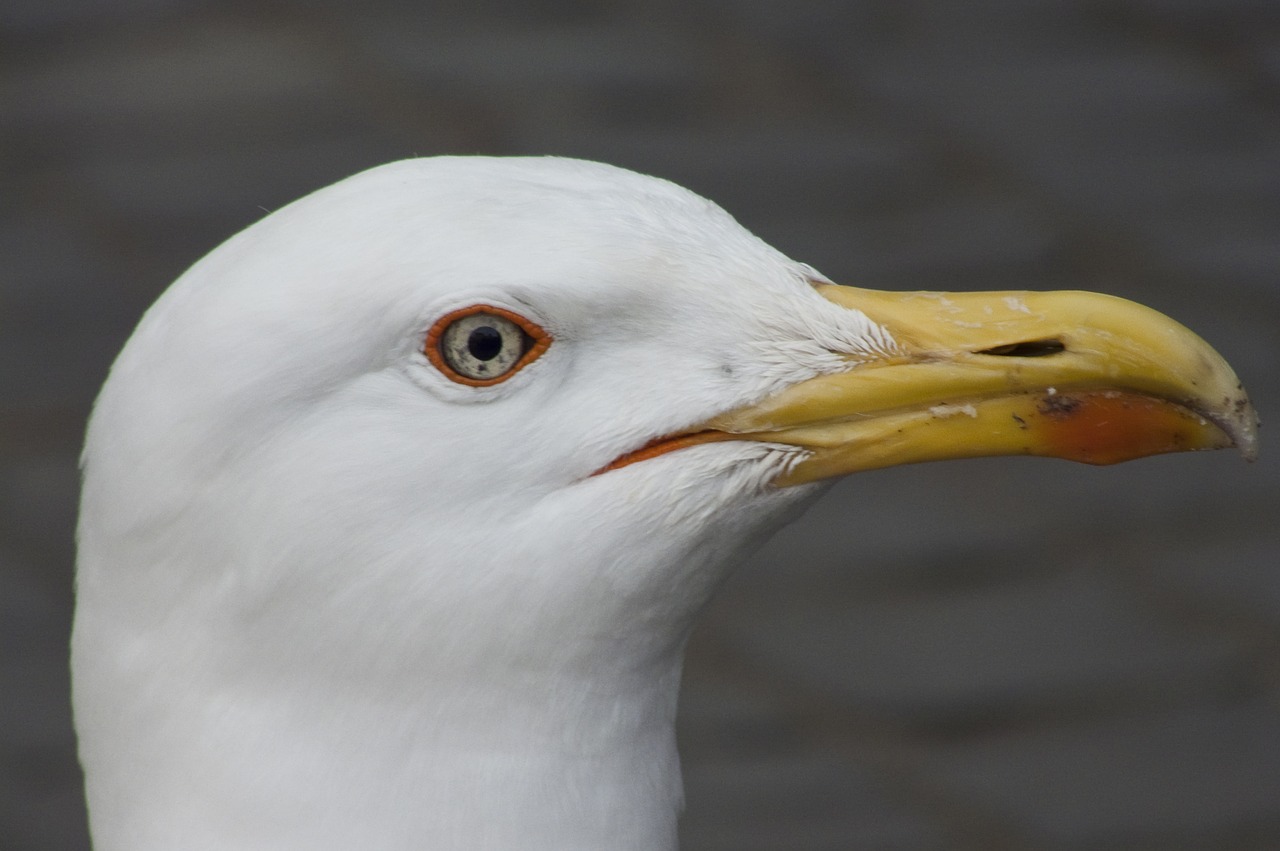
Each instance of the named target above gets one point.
<point>1004,654</point>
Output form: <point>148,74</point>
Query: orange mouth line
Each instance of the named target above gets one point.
<point>663,445</point>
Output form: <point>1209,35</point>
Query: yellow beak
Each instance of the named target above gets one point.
<point>1072,375</point>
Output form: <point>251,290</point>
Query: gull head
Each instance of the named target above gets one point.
<point>399,506</point>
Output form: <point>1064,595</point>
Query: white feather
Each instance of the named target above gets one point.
<point>329,599</point>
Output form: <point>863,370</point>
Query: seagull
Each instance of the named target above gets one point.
<point>399,506</point>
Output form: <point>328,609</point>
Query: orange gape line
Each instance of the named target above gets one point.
<point>663,445</point>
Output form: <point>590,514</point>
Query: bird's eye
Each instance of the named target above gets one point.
<point>483,345</point>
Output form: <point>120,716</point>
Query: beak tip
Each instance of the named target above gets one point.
<point>1246,440</point>
<point>1241,425</point>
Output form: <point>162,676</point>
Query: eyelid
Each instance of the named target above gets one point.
<point>431,345</point>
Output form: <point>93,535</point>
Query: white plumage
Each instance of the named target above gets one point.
<point>356,605</point>
<point>330,598</point>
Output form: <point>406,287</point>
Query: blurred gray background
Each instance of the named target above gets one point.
<point>1007,654</point>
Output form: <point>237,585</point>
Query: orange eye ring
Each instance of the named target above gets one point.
<point>483,345</point>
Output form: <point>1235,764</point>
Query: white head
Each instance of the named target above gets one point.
<point>294,521</point>
<point>333,594</point>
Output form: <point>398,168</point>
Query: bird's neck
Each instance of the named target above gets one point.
<point>397,686</point>
<point>551,758</point>
<point>548,761</point>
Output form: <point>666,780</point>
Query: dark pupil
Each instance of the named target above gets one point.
<point>484,343</point>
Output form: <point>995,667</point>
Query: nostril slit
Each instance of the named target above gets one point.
<point>1029,349</point>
